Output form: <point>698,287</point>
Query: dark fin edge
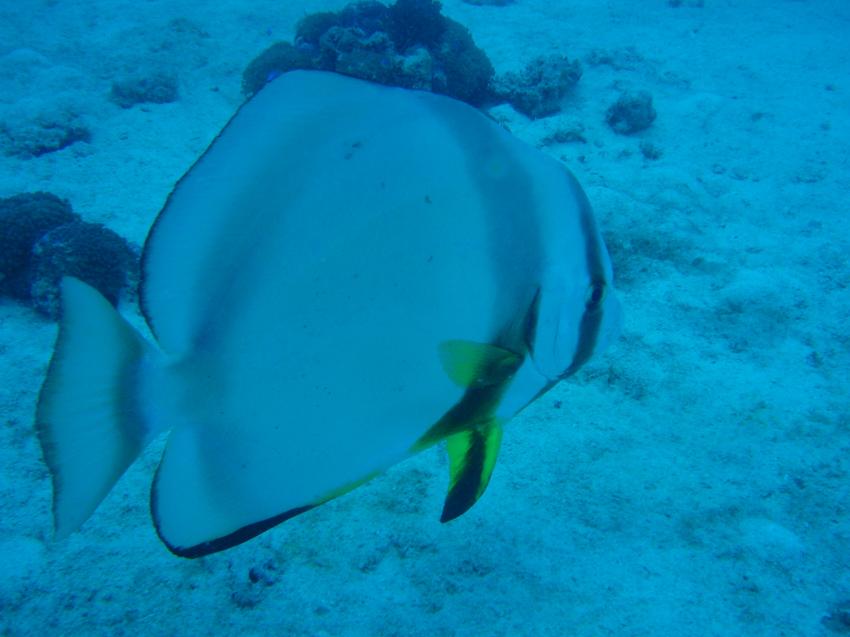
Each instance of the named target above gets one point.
<point>227,541</point>
<point>152,231</point>
<point>472,472</point>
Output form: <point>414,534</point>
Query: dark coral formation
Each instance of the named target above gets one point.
<point>44,132</point>
<point>278,58</point>
<point>24,219</point>
<point>413,22</point>
<point>88,251</point>
<point>313,26</point>
<point>42,240</point>
<point>566,134</point>
<point>464,70</point>
<point>153,88</point>
<point>371,58</point>
<point>409,44</point>
<point>631,113</point>
<point>650,150</point>
<point>539,89</point>
<point>412,45</point>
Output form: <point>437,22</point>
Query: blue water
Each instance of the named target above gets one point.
<point>692,481</point>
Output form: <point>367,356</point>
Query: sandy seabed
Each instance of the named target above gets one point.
<point>692,482</point>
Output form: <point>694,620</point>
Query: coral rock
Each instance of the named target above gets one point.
<point>415,22</point>
<point>463,70</point>
<point>154,88</point>
<point>539,89</point>
<point>88,251</point>
<point>408,44</point>
<point>631,113</point>
<point>277,59</point>
<point>24,219</point>
<point>42,132</point>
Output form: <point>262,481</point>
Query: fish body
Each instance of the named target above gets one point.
<point>348,275</point>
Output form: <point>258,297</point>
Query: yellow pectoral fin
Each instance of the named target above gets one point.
<point>472,457</point>
<point>471,364</point>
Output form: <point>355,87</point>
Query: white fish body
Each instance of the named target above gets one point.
<point>350,273</point>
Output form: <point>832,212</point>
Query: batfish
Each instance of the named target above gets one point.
<point>349,274</point>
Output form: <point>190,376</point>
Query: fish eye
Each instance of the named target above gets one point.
<point>595,294</point>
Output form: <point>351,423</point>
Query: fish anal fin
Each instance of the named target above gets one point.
<point>470,364</point>
<point>472,457</point>
<point>231,539</point>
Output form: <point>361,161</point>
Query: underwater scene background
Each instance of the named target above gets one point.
<point>692,481</point>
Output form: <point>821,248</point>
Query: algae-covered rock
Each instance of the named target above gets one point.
<point>42,239</point>
<point>157,87</point>
<point>370,57</point>
<point>278,58</point>
<point>88,251</point>
<point>540,88</point>
<point>631,113</point>
<point>463,70</point>
<point>24,219</point>
<point>368,16</point>
<point>409,44</point>
<point>33,130</point>
<point>415,22</point>
<point>313,26</point>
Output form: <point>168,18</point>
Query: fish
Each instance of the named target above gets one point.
<point>348,275</point>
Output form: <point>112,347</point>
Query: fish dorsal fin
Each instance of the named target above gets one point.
<point>472,457</point>
<point>471,364</point>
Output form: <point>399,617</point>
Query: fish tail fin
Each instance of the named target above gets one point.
<point>472,457</point>
<point>87,418</point>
